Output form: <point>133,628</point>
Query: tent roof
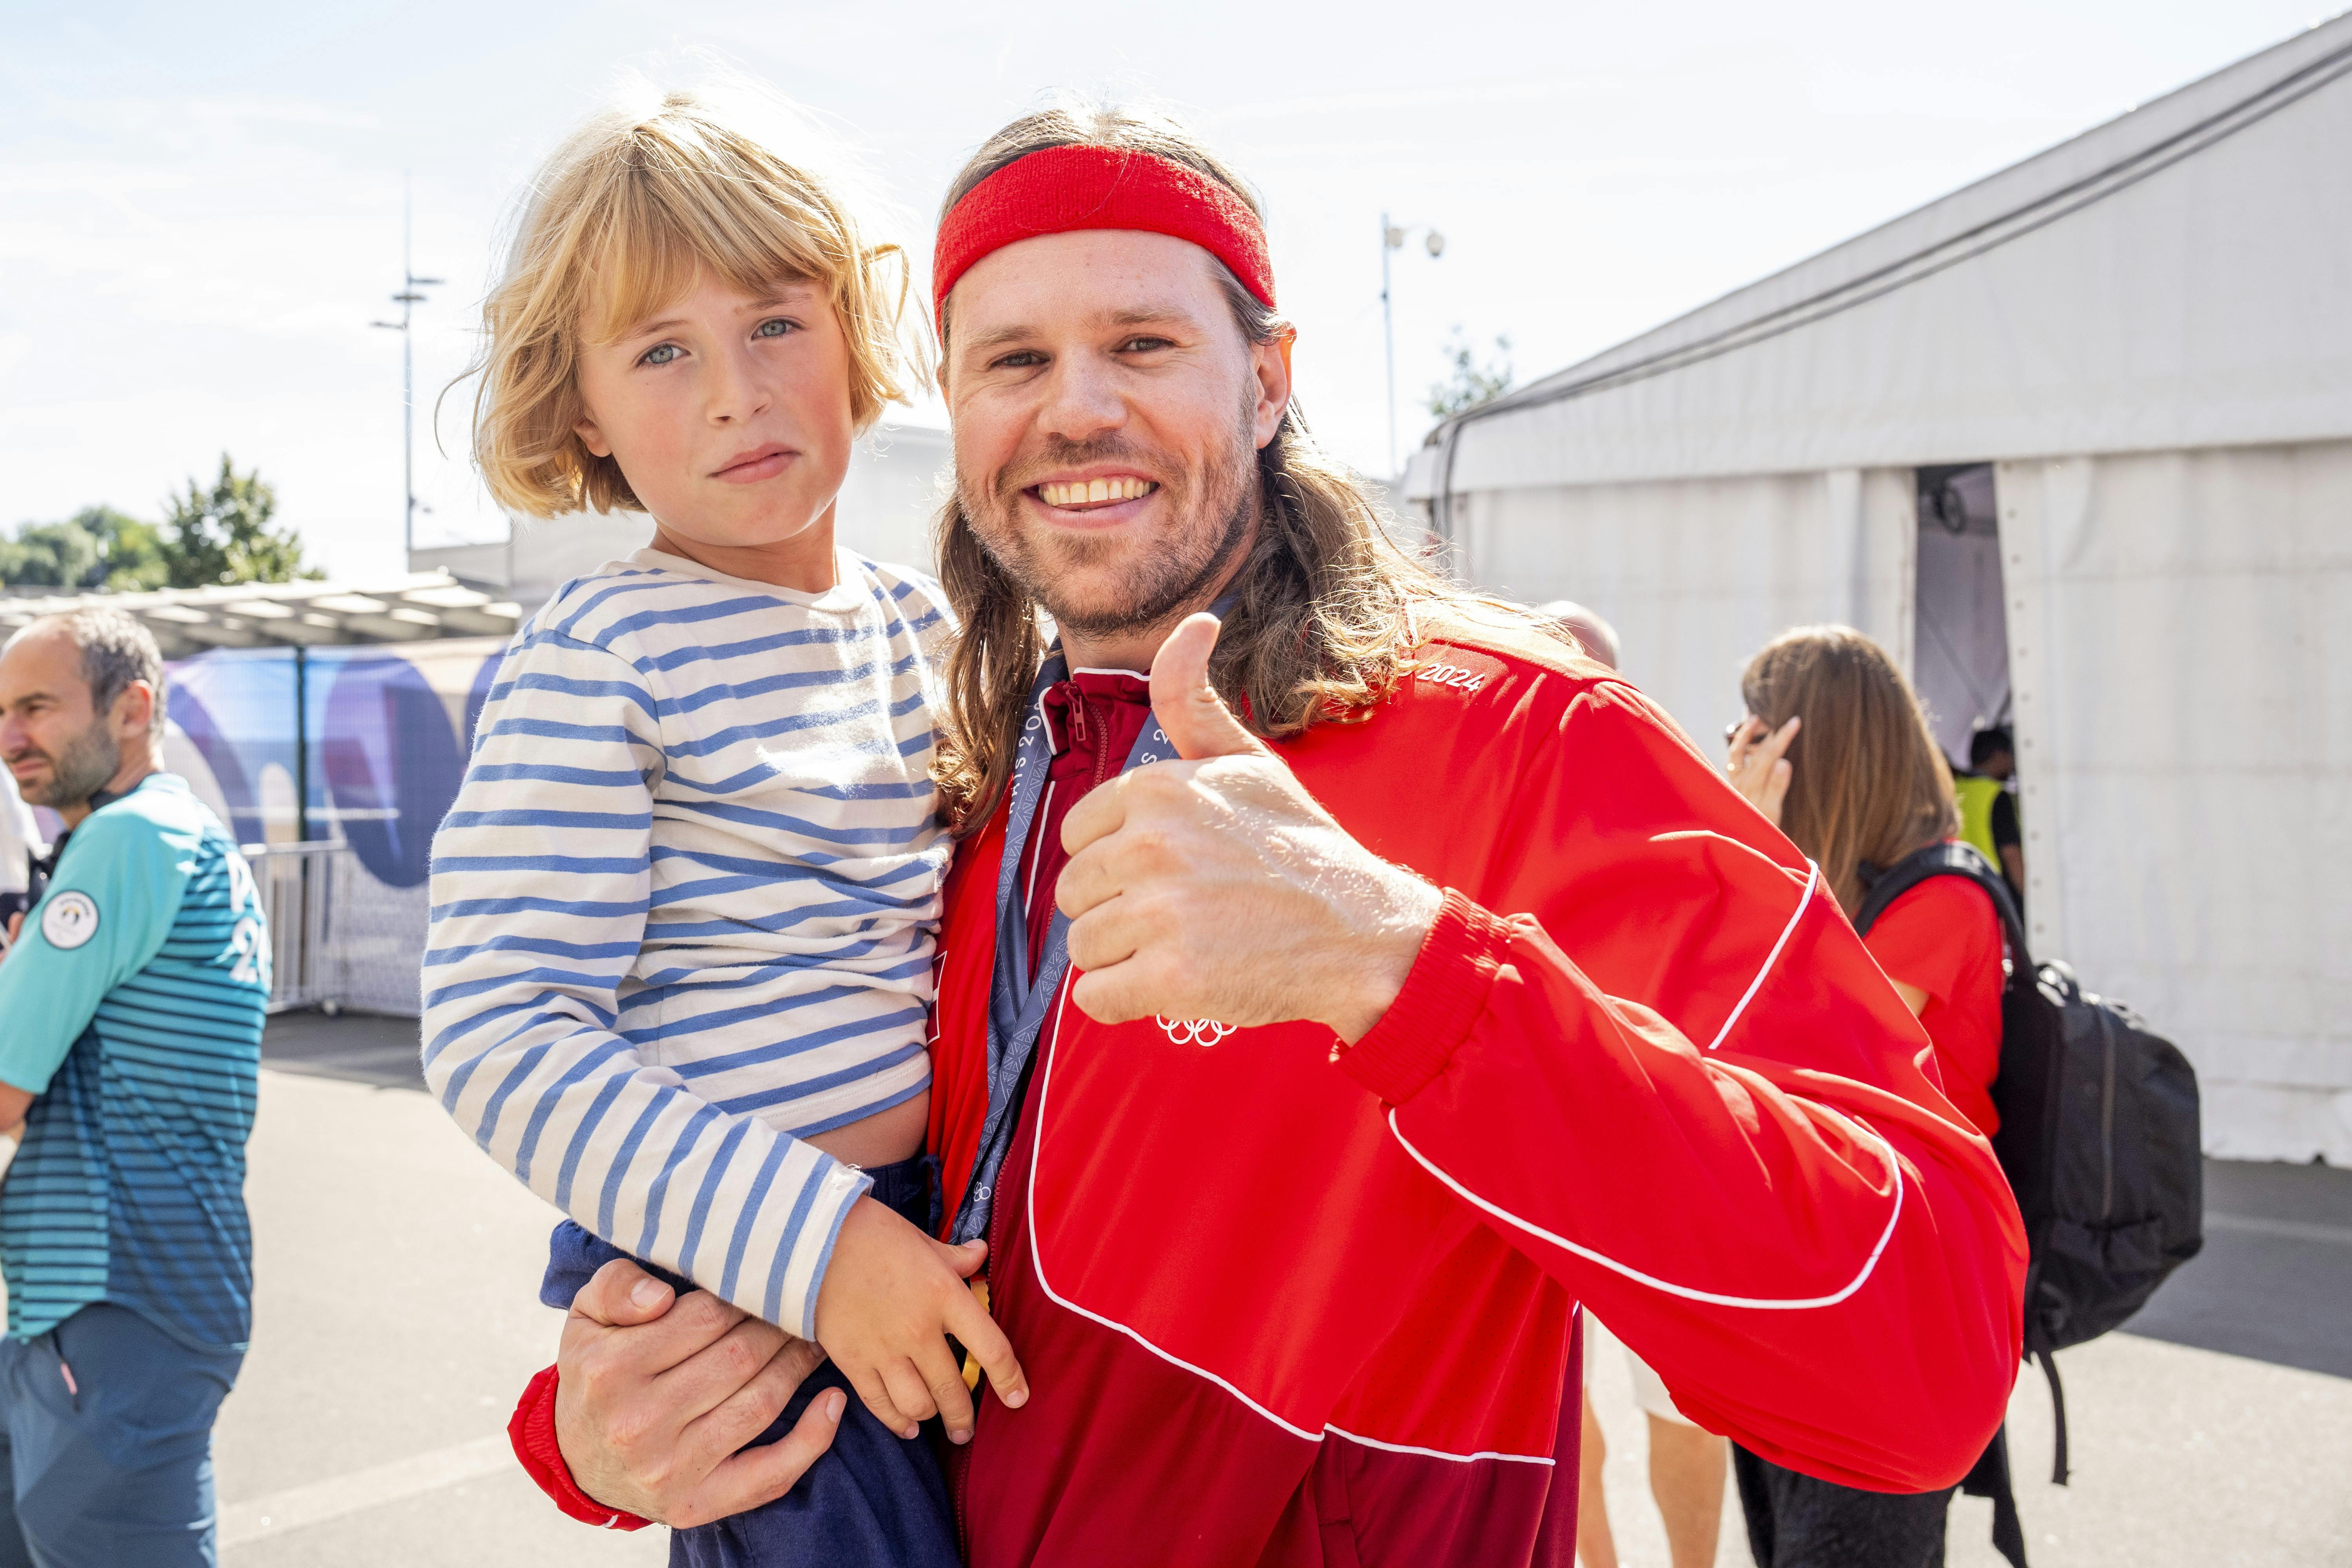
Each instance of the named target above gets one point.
<point>2178,277</point>
<point>409,608</point>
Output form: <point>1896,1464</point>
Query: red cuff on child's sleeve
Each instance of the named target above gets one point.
<point>1442,995</point>
<point>532,1433</point>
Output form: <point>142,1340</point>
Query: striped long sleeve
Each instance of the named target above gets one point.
<point>639,985</point>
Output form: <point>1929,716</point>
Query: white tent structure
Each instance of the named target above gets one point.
<point>2075,444</point>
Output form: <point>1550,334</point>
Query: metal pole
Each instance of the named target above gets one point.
<point>1388,337</point>
<point>301,745</point>
<point>407,374</point>
<point>407,299</point>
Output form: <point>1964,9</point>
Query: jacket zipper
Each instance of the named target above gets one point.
<point>1102,751</point>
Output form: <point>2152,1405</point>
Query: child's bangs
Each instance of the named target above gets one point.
<point>625,220</point>
<point>666,228</point>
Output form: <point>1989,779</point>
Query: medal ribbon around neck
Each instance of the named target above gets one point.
<point>1017,1003</point>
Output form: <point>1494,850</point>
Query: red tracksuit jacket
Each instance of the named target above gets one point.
<point>1279,1311</point>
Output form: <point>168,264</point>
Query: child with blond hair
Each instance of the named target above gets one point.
<point>683,907</point>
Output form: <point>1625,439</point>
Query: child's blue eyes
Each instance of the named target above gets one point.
<point>668,354</point>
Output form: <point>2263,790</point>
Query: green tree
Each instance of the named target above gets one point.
<point>52,555</point>
<point>97,549</point>
<point>133,550</point>
<point>221,534</point>
<point>1471,383</point>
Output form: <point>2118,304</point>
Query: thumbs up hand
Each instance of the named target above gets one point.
<point>1189,711</point>
<point>1217,888</point>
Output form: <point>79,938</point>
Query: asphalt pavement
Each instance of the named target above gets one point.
<point>396,1318</point>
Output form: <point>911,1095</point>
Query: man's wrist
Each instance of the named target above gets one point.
<point>1442,998</point>
<point>532,1433</point>
<point>1375,981</point>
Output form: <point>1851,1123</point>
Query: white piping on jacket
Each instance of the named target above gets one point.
<point>1037,1262</point>
<point>1812,881</point>
<point>1440,1453</point>
<point>1765,1303</point>
<point>1761,1303</point>
<point>1037,1259</point>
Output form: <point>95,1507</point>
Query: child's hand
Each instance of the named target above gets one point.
<point>891,1297</point>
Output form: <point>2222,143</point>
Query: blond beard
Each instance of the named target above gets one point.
<point>1159,583</point>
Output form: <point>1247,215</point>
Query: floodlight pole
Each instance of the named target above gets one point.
<point>1393,238</point>
<point>408,299</point>
<point>1387,331</point>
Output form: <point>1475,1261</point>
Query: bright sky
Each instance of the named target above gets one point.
<point>200,205</point>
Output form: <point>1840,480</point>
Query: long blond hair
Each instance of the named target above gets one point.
<point>618,224</point>
<point>1870,784</point>
<point>1323,626</point>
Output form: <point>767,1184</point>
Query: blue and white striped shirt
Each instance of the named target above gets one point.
<point>683,910</point>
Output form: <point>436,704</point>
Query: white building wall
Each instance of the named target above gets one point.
<point>2168,289</point>
<point>2180,632</point>
<point>894,489</point>
<point>1697,574</point>
<point>2180,642</point>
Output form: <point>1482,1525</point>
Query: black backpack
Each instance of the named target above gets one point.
<point>2098,1135</point>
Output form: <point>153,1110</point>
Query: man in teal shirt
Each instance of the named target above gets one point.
<point>131,1008</point>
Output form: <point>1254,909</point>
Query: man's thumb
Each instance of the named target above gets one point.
<point>1189,711</point>
<point>621,1295</point>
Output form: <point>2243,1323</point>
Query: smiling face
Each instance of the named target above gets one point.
<point>1108,411</point>
<point>730,414</point>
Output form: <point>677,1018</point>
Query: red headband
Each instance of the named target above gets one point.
<point>1063,189</point>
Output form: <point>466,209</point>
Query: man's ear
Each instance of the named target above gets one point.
<point>1270,362</point>
<point>134,709</point>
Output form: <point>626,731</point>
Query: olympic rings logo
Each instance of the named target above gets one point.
<point>1202,1032</point>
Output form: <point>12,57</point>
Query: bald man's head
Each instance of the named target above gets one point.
<point>1597,636</point>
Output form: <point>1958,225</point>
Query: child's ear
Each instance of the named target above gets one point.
<point>593,438</point>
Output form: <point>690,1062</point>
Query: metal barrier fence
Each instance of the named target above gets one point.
<point>339,938</point>
<point>296,883</point>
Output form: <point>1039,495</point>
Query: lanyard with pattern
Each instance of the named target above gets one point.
<point>1018,1004</point>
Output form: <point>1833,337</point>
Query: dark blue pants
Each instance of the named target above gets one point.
<point>874,1500</point>
<point>113,1469</point>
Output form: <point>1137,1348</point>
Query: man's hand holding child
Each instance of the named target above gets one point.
<point>658,1393</point>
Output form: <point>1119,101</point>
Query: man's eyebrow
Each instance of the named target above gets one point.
<point>997,337</point>
<point>1130,316</point>
<point>1150,316</point>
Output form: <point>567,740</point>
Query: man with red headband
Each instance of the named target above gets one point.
<point>1338,988</point>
